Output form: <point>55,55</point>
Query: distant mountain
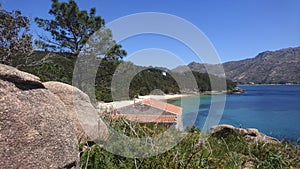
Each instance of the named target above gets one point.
<point>269,67</point>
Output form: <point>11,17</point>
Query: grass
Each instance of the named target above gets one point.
<point>194,151</point>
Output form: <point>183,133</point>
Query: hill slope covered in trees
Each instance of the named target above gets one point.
<point>60,67</point>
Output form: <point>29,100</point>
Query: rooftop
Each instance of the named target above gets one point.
<point>148,111</point>
<point>163,106</point>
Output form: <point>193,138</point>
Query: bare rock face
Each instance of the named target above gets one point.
<point>250,134</point>
<point>280,66</point>
<point>19,78</point>
<point>85,117</point>
<point>35,128</point>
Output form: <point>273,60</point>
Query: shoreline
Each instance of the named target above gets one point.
<point>166,97</point>
<point>122,103</point>
<point>118,104</point>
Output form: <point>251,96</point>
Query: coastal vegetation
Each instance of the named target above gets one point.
<point>194,151</point>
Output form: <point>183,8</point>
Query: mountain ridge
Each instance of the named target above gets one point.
<point>268,67</point>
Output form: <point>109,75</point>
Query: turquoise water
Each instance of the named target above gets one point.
<point>274,110</point>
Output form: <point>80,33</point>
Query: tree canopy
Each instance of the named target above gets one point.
<point>71,29</point>
<point>15,37</point>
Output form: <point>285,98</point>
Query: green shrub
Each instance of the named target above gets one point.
<point>196,150</point>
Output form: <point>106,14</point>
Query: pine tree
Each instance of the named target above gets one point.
<point>71,29</point>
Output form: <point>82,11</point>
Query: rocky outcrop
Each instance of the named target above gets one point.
<point>21,79</point>
<point>35,128</point>
<point>250,134</point>
<point>236,90</point>
<point>82,112</point>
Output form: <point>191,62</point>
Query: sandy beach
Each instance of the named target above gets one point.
<point>118,104</point>
<point>165,97</point>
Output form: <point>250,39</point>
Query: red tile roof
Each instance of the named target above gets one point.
<point>163,106</point>
<point>152,118</point>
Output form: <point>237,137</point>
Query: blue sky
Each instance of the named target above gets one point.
<point>238,29</point>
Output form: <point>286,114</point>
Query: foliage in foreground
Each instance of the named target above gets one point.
<point>194,151</point>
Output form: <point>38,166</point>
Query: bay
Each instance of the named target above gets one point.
<point>272,109</point>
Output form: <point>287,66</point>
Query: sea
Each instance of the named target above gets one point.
<point>272,109</point>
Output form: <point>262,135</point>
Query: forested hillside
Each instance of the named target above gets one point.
<point>60,66</point>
